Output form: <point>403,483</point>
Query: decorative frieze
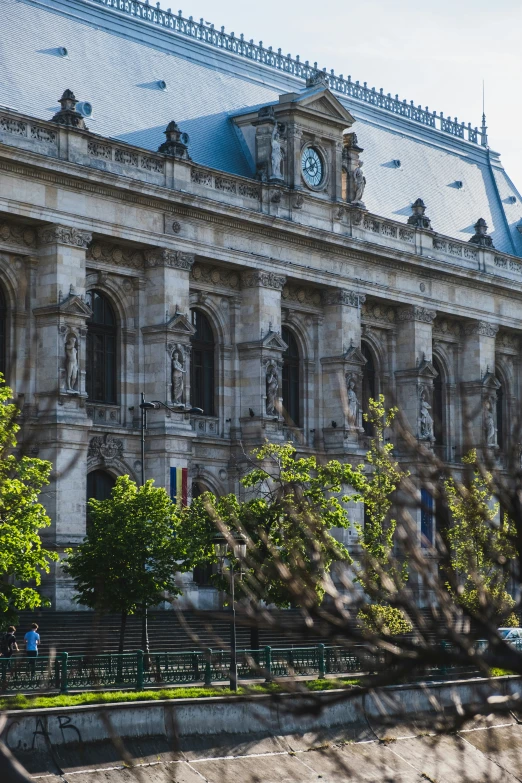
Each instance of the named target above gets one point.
<point>304,295</point>
<point>375,311</point>
<point>104,414</point>
<point>27,130</point>
<point>201,273</point>
<point>125,156</point>
<point>224,184</point>
<point>264,280</point>
<point>415,313</point>
<point>64,235</point>
<point>17,234</point>
<point>445,327</point>
<point>508,263</point>
<point>105,448</point>
<point>99,150</point>
<point>387,229</point>
<point>454,249</point>
<point>114,254</point>
<point>483,328</point>
<point>171,258</point>
<point>341,296</point>
<point>507,342</point>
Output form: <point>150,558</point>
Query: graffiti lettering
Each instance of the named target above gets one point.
<point>18,734</point>
<point>65,722</point>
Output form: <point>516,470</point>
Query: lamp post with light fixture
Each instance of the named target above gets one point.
<point>153,405</point>
<point>239,549</point>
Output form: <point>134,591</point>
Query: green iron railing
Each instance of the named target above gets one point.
<point>64,672</point>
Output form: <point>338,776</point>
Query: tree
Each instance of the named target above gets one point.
<point>22,557</point>
<point>128,558</point>
<point>480,545</point>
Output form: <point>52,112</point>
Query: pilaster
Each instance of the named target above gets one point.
<point>479,385</point>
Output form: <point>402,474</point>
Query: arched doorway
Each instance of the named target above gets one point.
<point>291,378</point>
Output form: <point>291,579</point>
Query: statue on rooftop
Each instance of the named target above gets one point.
<point>276,159</point>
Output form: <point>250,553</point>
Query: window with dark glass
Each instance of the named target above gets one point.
<point>500,415</point>
<point>438,405</point>
<point>3,333</point>
<point>368,386</point>
<point>101,350</point>
<point>99,485</point>
<point>427,513</point>
<point>290,380</point>
<point>202,364</point>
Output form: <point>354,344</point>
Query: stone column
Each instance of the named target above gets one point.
<point>260,356</point>
<point>61,424</point>
<point>415,377</point>
<point>166,362</point>
<point>342,370</point>
<point>479,385</point>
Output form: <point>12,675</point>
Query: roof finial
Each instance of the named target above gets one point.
<point>484,128</point>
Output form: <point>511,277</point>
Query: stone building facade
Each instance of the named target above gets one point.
<point>246,271</point>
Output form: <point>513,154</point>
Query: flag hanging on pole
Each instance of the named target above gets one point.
<point>178,486</point>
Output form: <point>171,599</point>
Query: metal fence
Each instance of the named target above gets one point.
<point>64,672</point>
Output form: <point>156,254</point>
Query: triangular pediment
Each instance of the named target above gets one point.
<point>74,305</point>
<point>274,340</point>
<point>180,323</point>
<point>324,102</point>
<point>354,355</point>
<point>490,381</point>
<point>427,370</point>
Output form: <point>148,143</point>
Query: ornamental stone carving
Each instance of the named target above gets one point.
<point>359,184</point>
<point>418,218</point>
<point>67,115</point>
<point>105,448</point>
<point>201,273</point>
<point>17,235</point>
<point>483,328</point>
<point>353,406</point>
<point>272,389</point>
<point>341,296</point>
<point>178,371</point>
<point>425,418</point>
<point>490,415</point>
<point>276,156</point>
<point>114,254</point>
<point>264,280</point>
<point>415,313</point>
<point>304,295</point>
<point>71,363</point>
<point>481,236</point>
<point>174,259</point>
<point>446,327</point>
<point>64,235</point>
<point>375,311</point>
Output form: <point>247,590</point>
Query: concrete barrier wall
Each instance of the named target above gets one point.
<point>284,714</point>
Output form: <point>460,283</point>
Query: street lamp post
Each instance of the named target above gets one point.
<point>145,406</point>
<point>239,549</point>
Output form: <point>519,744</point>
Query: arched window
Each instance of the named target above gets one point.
<point>500,415</point>
<point>290,385</point>
<point>202,371</point>
<point>3,333</point>
<point>438,405</point>
<point>99,485</point>
<point>101,350</point>
<point>368,385</point>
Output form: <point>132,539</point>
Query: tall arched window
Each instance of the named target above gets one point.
<point>290,385</point>
<point>101,350</point>
<point>202,364</point>
<point>99,485</point>
<point>368,385</point>
<point>438,405</point>
<point>3,333</point>
<point>500,415</point>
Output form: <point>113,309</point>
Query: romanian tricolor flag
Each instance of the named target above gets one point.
<point>178,485</point>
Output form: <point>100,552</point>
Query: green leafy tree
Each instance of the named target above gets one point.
<point>296,502</point>
<point>380,574</point>
<point>481,545</point>
<point>22,517</point>
<point>128,558</point>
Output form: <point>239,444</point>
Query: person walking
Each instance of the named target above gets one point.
<point>8,646</point>
<point>32,640</point>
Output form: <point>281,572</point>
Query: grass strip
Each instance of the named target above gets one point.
<point>22,702</point>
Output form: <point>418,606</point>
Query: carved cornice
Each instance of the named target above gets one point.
<point>64,235</point>
<point>263,280</point>
<point>343,297</point>
<point>170,258</point>
<point>415,313</point>
<point>483,328</point>
<point>17,234</point>
<point>114,254</point>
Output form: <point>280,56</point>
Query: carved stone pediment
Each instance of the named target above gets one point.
<point>489,381</point>
<point>272,341</point>
<point>180,323</point>
<point>426,369</point>
<point>74,305</point>
<point>354,355</point>
<point>319,99</point>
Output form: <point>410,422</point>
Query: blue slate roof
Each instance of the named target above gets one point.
<point>115,61</point>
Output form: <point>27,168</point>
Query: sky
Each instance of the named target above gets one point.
<point>436,54</point>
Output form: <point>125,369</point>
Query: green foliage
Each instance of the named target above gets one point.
<point>383,619</point>
<point>296,503</point>
<point>22,557</point>
<point>128,557</point>
<point>480,546</point>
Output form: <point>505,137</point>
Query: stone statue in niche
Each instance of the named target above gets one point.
<point>272,388</point>
<point>276,159</point>
<point>352,413</point>
<point>71,363</point>
<point>425,421</point>
<point>178,376</point>
<point>489,422</point>
<point>359,183</point>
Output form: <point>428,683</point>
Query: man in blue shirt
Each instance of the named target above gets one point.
<point>32,640</point>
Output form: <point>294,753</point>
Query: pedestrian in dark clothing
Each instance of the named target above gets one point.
<point>7,647</point>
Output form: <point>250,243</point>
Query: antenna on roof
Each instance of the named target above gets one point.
<point>484,128</point>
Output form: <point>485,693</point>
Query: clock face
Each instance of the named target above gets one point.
<point>312,167</point>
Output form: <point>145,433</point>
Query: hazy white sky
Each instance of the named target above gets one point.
<point>434,54</point>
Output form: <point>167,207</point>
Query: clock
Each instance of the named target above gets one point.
<point>312,167</point>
